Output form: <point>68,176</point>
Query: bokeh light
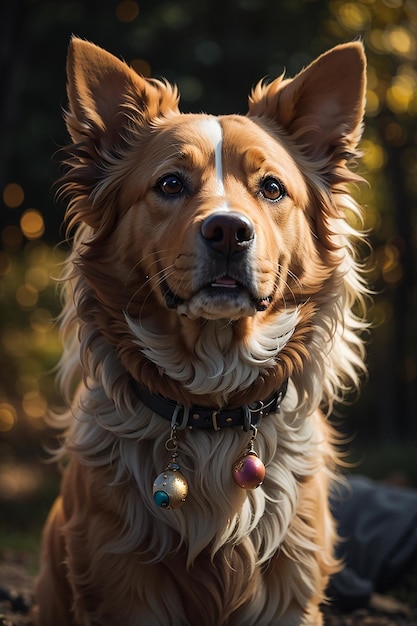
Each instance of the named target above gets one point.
<point>29,338</point>
<point>32,224</point>
<point>392,270</point>
<point>354,16</point>
<point>372,103</point>
<point>19,481</point>
<point>13,195</point>
<point>35,405</point>
<point>381,313</point>
<point>127,11</point>
<point>375,40</point>
<point>8,417</point>
<point>401,93</point>
<point>142,67</point>
<point>394,133</point>
<point>26,382</point>
<point>400,41</point>
<point>38,277</point>
<point>5,262</point>
<point>41,320</point>
<point>13,342</point>
<point>373,155</point>
<point>11,237</point>
<point>27,296</point>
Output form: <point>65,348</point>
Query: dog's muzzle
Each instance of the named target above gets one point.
<point>224,275</point>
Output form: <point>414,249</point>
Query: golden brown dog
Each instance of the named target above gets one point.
<point>208,313</point>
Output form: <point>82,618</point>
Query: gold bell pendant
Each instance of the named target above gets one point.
<point>170,488</point>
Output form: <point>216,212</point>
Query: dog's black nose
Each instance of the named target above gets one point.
<point>228,233</point>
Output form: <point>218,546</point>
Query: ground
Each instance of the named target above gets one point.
<point>16,579</point>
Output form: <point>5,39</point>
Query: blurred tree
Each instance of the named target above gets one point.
<point>389,30</point>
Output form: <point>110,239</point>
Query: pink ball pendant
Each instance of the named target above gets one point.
<point>248,472</point>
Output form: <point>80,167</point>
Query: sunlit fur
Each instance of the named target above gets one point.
<point>227,556</point>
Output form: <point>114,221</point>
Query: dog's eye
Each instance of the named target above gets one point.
<point>272,189</point>
<point>170,185</point>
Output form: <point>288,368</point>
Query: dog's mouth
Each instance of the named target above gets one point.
<point>222,294</point>
<point>225,286</point>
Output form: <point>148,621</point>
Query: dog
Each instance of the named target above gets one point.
<point>213,316</point>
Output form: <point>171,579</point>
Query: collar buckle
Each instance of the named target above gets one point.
<point>182,417</point>
<point>214,420</point>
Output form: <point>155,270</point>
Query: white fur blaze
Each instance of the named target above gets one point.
<point>212,129</point>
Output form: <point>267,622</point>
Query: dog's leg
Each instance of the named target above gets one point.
<point>52,592</point>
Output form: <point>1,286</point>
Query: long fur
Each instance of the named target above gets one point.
<point>227,556</point>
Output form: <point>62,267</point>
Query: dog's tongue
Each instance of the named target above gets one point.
<point>224,282</point>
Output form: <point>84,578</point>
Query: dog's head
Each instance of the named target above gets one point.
<point>192,220</point>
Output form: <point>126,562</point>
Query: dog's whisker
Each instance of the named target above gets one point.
<point>141,263</point>
<point>160,277</point>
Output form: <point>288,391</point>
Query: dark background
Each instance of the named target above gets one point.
<point>215,51</point>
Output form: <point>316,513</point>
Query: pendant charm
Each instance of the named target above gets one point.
<point>170,488</point>
<point>249,472</point>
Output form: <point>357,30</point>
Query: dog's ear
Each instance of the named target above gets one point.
<point>104,93</point>
<point>323,106</point>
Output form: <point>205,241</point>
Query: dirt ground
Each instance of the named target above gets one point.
<point>19,584</point>
<point>390,615</point>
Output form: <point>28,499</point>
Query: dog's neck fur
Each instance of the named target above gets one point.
<point>220,367</point>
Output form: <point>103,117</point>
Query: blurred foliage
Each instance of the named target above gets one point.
<point>215,51</point>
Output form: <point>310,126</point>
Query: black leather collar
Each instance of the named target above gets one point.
<point>181,417</point>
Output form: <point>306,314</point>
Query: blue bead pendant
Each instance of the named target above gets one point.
<point>170,488</point>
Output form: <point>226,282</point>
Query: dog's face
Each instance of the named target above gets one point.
<point>194,218</point>
<point>218,218</point>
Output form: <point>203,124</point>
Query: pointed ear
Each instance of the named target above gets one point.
<point>104,93</point>
<point>323,106</point>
